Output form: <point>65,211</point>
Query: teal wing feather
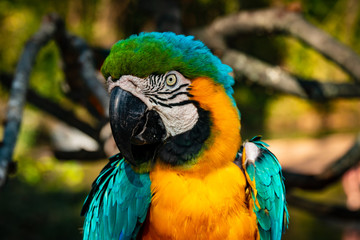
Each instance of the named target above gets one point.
<point>272,214</point>
<point>118,202</point>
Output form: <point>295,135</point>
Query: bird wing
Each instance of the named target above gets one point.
<point>264,176</point>
<point>118,202</point>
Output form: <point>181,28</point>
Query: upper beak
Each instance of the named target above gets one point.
<point>134,128</point>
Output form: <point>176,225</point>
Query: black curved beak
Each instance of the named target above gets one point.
<point>137,131</point>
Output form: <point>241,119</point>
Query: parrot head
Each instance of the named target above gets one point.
<point>170,101</point>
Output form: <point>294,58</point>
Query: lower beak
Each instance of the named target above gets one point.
<point>136,130</point>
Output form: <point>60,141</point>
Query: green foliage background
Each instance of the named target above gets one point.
<point>44,199</point>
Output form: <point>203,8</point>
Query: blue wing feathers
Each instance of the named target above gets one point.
<point>272,215</point>
<point>118,202</point>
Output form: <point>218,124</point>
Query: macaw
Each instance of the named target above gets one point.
<point>182,171</point>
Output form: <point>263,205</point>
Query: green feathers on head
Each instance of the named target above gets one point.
<point>157,53</point>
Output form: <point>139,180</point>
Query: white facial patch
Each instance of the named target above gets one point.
<point>178,119</point>
<point>131,84</point>
<point>251,152</point>
<point>168,94</point>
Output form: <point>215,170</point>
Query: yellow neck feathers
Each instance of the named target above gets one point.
<point>224,140</point>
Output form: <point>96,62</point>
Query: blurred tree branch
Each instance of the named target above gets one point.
<point>81,154</point>
<point>18,92</point>
<point>79,71</point>
<point>323,210</point>
<point>275,78</point>
<point>330,175</point>
<point>53,109</point>
<point>280,21</point>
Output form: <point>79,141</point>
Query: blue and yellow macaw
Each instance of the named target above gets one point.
<point>182,172</point>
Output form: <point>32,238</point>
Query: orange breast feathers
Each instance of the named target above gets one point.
<point>206,200</point>
<point>185,206</point>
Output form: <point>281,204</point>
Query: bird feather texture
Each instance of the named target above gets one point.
<point>118,203</point>
<point>268,192</point>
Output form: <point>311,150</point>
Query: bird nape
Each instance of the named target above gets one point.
<point>182,171</point>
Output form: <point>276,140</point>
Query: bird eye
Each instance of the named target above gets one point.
<point>171,79</point>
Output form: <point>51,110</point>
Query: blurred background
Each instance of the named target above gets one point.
<point>44,198</point>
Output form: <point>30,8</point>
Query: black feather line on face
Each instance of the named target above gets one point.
<point>185,147</point>
<point>164,104</point>
<point>157,97</point>
<point>175,90</point>
<point>182,103</point>
<point>180,93</point>
<point>153,100</point>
